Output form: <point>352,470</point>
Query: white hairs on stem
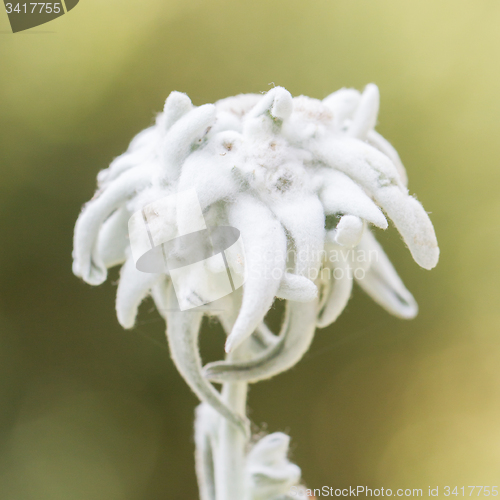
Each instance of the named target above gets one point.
<point>182,333</point>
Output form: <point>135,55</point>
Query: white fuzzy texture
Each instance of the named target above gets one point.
<point>295,338</point>
<point>343,104</point>
<point>210,170</point>
<point>182,333</point>
<point>139,153</point>
<point>349,231</point>
<point>384,146</point>
<point>176,106</point>
<point>265,248</point>
<point>337,286</point>
<point>133,287</point>
<point>113,240</point>
<point>204,435</point>
<point>274,167</point>
<point>277,101</point>
<point>304,219</point>
<point>365,116</point>
<point>183,135</point>
<point>341,195</point>
<point>270,474</point>
<point>87,263</point>
<point>378,175</point>
<point>297,288</point>
<point>382,282</point>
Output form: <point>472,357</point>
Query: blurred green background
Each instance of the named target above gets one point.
<point>89,411</point>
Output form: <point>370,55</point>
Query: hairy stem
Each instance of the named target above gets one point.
<point>230,453</point>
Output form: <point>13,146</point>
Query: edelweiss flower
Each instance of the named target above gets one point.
<point>301,179</point>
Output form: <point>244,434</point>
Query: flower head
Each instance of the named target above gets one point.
<point>302,179</point>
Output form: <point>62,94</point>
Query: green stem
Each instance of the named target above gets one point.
<point>231,444</point>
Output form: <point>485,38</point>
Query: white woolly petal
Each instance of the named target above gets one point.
<point>113,241</point>
<point>295,339</point>
<point>383,145</point>
<point>209,170</point>
<point>141,152</point>
<point>310,118</point>
<point>270,473</point>
<point>144,139</point>
<point>349,231</point>
<point>365,116</point>
<point>360,161</point>
<point>297,288</point>
<point>176,106</point>
<point>133,288</point>
<point>226,310</point>
<point>268,115</point>
<point>338,279</point>
<point>413,223</point>
<point>304,219</point>
<point>382,282</point>
<point>86,263</point>
<point>183,134</point>
<point>270,450</point>
<point>226,121</point>
<point>343,103</point>
<point>182,333</point>
<point>283,104</point>
<point>238,105</point>
<point>265,248</point>
<point>159,294</point>
<point>341,195</point>
<point>375,172</point>
<point>278,101</point>
<point>127,161</point>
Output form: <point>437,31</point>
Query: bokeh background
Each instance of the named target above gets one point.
<point>89,411</point>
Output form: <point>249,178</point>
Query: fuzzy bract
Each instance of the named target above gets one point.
<point>304,181</point>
